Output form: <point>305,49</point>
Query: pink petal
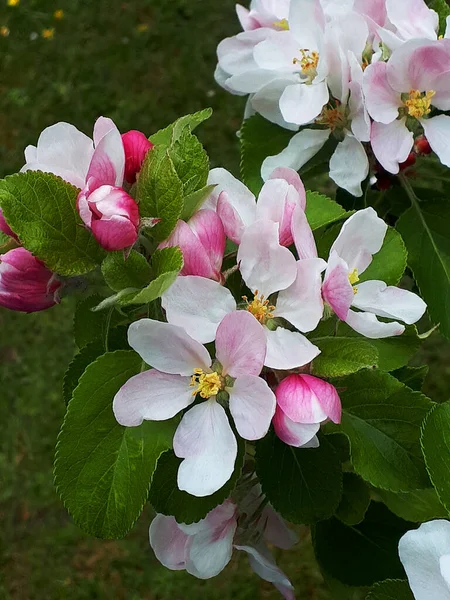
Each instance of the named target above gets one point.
<point>276,531</point>
<point>240,344</point>
<point>337,290</point>
<point>262,562</point>
<point>136,145</point>
<point>291,433</point>
<point>152,396</point>
<point>108,162</point>
<point>208,228</point>
<point>167,348</point>
<point>327,396</point>
<point>304,241</point>
<point>293,178</point>
<point>252,406</point>
<point>382,101</point>
<point>288,349</point>
<point>247,22</point>
<point>239,196</point>
<point>232,222</point>
<point>168,542</point>
<point>206,441</point>
<point>413,19</point>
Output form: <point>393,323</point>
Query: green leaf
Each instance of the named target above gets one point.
<point>425,231</point>
<point>122,272</point>
<point>355,500</point>
<point>322,211</point>
<point>389,263</point>
<point>342,357</point>
<point>391,590</point>
<point>194,201</point>
<point>190,161</point>
<point>117,340</point>
<point>443,10</point>
<point>413,377</point>
<point>41,210</point>
<point>160,192</point>
<point>89,325</point>
<point>417,506</point>
<point>167,499</point>
<point>362,554</point>
<point>103,471</point>
<point>174,130</point>
<point>435,442</point>
<point>382,419</point>
<point>303,484</point>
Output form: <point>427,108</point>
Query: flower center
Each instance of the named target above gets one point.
<point>259,307</point>
<point>353,278</point>
<point>419,104</point>
<point>333,118</point>
<point>283,24</point>
<point>206,384</point>
<point>308,63</point>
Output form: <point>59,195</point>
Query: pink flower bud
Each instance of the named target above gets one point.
<point>25,282</point>
<point>111,214</point>
<point>5,227</point>
<point>136,146</point>
<point>202,242</point>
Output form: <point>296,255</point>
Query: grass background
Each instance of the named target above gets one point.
<point>143,63</point>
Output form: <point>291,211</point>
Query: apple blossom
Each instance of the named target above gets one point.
<point>303,403</point>
<point>425,554</point>
<point>204,438</point>
<point>135,145</point>
<point>26,285</point>
<point>202,242</point>
<point>361,236</point>
<point>264,13</point>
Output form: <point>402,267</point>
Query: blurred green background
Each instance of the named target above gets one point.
<point>142,63</point>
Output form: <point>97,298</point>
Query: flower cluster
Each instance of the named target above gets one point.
<point>371,75</point>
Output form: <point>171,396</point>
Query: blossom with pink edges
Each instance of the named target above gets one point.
<point>182,370</point>
<point>264,13</point>
<point>304,402</point>
<point>26,284</point>
<point>361,237</point>
<point>202,242</point>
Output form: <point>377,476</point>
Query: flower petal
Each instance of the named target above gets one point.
<point>298,401</point>
<point>264,264</point>
<point>266,101</point>
<point>206,441</point>
<point>167,348</point>
<point>304,241</point>
<point>337,290</point>
<point>301,103</point>
<point>208,228</point>
<point>252,405</point>
<point>294,434</point>
<point>327,395</point>
<point>232,222</point>
<point>240,344</point>
<point>293,179</point>
<point>349,165</point>
<point>168,542</point>
<point>198,305</point>
<point>239,196</point>
<point>361,236</point>
<point>382,101</point>
<point>262,562</point>
<point>413,18</point>
<point>369,326</point>
<point>391,144</point>
<point>108,161</point>
<point>288,349</point>
<point>151,396</point>
<point>276,202</point>
<point>276,531</point>
<point>301,304</point>
<point>437,132</point>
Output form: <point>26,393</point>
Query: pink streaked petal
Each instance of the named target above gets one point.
<point>196,260</point>
<point>102,126</point>
<point>136,145</point>
<point>206,441</point>
<point>327,395</point>
<point>108,162</point>
<point>239,196</point>
<point>288,349</point>
<point>152,396</point>
<point>168,542</point>
<point>337,290</point>
<point>301,304</point>
<point>198,305</point>
<point>252,406</point>
<point>109,201</point>
<point>167,347</point>
<point>208,228</point>
<point>370,327</point>
<point>291,433</point>
<point>248,23</point>
<point>437,132</point>
<point>304,241</point>
<point>382,101</point>
<point>114,233</point>
<point>264,264</point>
<point>240,344</point>
<point>293,178</point>
<point>299,402</point>
<point>232,222</point>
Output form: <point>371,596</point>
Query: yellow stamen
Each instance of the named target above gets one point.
<point>206,384</point>
<point>259,307</point>
<point>308,62</point>
<point>283,24</point>
<point>333,118</point>
<point>419,104</point>
<point>353,278</point>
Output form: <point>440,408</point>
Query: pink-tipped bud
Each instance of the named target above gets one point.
<point>25,282</point>
<point>202,242</point>
<point>5,227</point>
<point>111,214</point>
<point>136,146</point>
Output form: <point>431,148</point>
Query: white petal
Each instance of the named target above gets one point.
<point>262,562</point>
<point>264,264</point>
<point>288,349</point>
<point>239,196</point>
<point>392,302</point>
<point>301,103</point>
<point>252,405</point>
<point>197,305</point>
<point>349,165</point>
<point>299,435</point>
<point>361,236</point>
<point>151,396</point>
<point>437,132</point>
<point>301,148</point>
<point>391,144</point>
<point>276,531</point>
<point>266,102</point>
<point>206,441</point>
<point>301,304</point>
<point>420,552</point>
<point>304,241</point>
<point>167,347</point>
<point>168,542</point>
<point>369,326</point>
